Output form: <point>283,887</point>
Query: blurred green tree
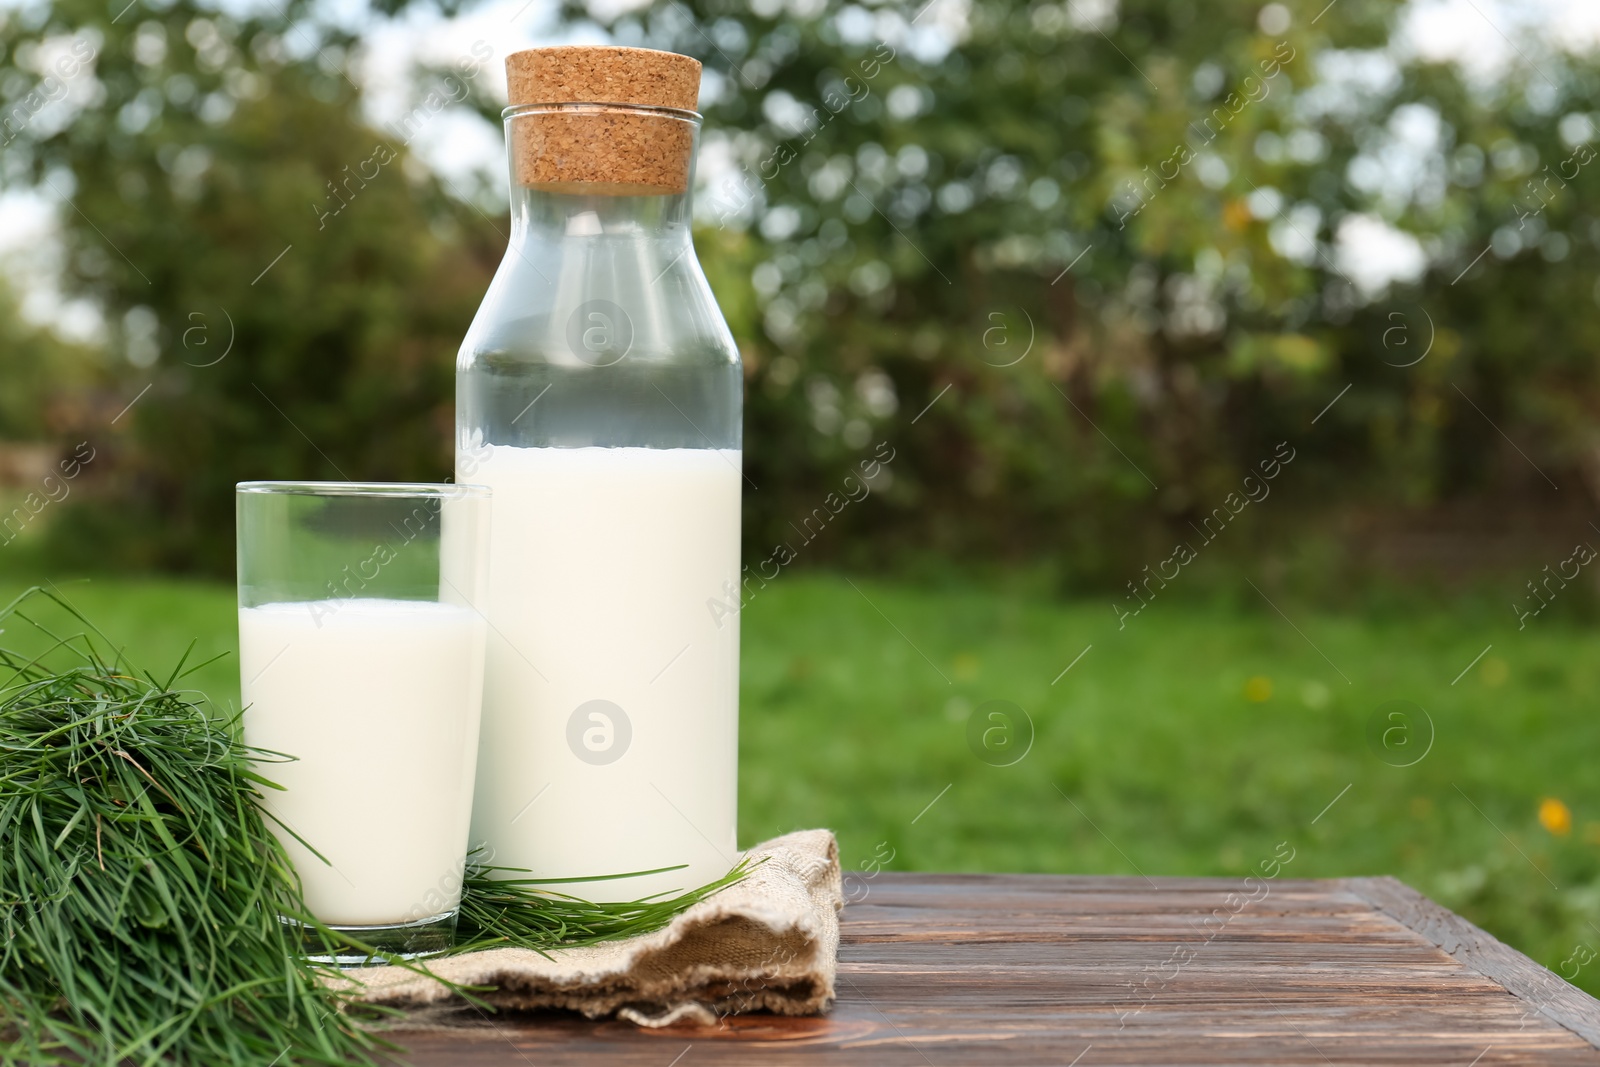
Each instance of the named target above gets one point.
<point>1112,231</point>
<point>45,377</point>
<point>286,283</point>
<point>1082,264</point>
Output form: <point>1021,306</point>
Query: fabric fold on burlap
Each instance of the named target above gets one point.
<point>771,943</point>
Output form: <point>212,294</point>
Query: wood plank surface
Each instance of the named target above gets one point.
<point>1046,969</point>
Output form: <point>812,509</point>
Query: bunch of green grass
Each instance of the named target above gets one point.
<point>140,890</point>
<point>501,911</point>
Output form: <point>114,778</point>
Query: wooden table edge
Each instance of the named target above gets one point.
<point>1548,1000</point>
<point>1481,952</point>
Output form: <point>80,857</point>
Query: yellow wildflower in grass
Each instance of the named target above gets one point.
<point>1555,816</point>
<point>1258,690</point>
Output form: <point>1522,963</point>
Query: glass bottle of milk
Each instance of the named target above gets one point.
<point>599,392</point>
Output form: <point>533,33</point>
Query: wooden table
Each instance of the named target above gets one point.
<point>1041,969</point>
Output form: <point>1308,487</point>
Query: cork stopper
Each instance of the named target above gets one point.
<point>600,74</point>
<point>571,145</point>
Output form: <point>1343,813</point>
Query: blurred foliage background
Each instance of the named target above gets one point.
<point>1084,264</point>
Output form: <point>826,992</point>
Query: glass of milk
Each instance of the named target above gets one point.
<point>361,653</point>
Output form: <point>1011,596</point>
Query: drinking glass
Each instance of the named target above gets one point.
<point>361,649</point>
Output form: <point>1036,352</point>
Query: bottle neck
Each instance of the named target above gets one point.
<point>540,215</point>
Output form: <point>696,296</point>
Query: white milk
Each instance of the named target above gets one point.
<point>605,565</point>
<point>380,701</point>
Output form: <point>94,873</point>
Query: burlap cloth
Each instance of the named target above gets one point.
<point>770,942</point>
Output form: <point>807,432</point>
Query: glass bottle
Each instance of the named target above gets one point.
<point>599,393</point>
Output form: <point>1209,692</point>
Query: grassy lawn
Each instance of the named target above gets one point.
<point>1193,741</point>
